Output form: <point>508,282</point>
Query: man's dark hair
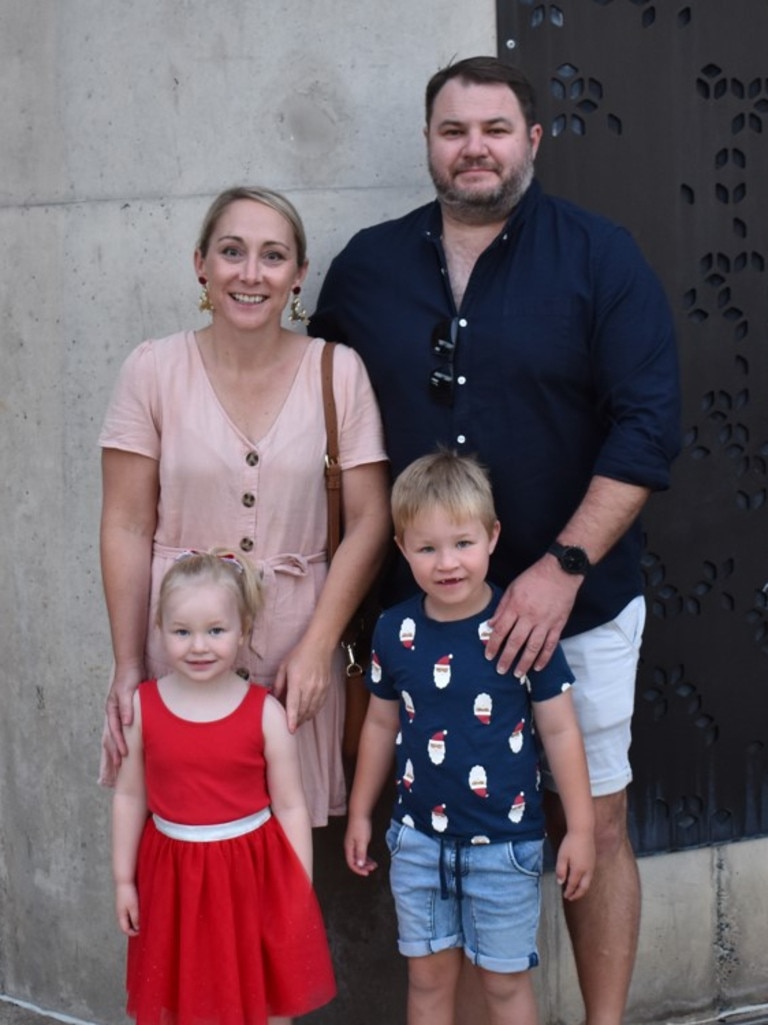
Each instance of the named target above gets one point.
<point>485,71</point>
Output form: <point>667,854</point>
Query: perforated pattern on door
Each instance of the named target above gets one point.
<point>656,114</point>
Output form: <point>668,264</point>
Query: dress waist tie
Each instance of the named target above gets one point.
<point>291,563</point>
<point>219,831</point>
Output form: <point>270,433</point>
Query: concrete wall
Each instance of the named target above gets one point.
<point>119,122</point>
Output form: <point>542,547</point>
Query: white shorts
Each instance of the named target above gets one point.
<point>604,662</point>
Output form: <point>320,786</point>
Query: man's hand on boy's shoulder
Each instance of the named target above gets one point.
<point>530,617</point>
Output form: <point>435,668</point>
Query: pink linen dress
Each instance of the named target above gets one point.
<point>265,499</point>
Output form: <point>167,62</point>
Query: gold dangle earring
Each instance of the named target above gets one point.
<point>204,302</point>
<point>297,311</point>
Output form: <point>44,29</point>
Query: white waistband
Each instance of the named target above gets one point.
<point>219,831</point>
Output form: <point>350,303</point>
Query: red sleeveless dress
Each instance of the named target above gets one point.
<point>230,930</point>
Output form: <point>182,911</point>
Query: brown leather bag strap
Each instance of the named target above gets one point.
<point>332,467</point>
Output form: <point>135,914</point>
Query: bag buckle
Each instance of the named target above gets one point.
<point>353,667</point>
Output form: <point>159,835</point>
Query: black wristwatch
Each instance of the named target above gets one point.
<point>572,559</point>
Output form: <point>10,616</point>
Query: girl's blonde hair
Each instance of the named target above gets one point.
<point>217,566</point>
<point>459,485</point>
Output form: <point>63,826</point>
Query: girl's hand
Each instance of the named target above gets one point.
<point>119,713</point>
<point>302,682</point>
<point>127,907</point>
<point>575,864</point>
<point>356,841</point>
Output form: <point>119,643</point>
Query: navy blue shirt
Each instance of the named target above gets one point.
<point>565,367</point>
<point>467,758</point>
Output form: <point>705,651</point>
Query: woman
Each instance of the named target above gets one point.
<point>217,437</point>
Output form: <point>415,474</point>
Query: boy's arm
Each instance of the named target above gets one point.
<point>558,728</point>
<point>286,793</point>
<point>129,815</point>
<point>374,763</point>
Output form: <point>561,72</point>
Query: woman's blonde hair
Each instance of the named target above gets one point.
<point>459,485</point>
<point>217,566</point>
<point>258,194</point>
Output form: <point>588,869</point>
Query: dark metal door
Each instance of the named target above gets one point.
<point>656,114</point>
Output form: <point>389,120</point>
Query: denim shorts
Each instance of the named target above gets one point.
<point>489,904</point>
<point>604,662</point>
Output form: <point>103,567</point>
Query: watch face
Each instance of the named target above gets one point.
<point>574,560</point>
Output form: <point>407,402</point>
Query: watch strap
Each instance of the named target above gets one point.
<point>572,558</point>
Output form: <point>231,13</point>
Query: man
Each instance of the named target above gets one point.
<point>507,323</point>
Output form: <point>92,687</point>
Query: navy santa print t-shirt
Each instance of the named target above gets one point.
<point>467,756</point>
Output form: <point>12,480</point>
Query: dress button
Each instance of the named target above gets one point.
<point>243,673</point>
<point>461,380</point>
<point>461,438</point>
<point>249,500</point>
<point>246,544</point>
<point>252,458</point>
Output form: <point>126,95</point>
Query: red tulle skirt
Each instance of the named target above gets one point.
<point>230,932</point>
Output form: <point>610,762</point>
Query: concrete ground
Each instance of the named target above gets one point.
<point>18,1013</point>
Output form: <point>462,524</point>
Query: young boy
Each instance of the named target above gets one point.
<point>467,831</point>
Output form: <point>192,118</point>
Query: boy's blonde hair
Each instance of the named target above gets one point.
<point>217,566</point>
<point>459,485</point>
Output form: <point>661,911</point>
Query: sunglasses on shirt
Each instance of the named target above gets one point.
<point>443,342</point>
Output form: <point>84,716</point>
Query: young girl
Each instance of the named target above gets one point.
<point>213,888</point>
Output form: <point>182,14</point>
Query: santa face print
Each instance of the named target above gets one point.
<point>517,809</point>
<point>478,781</point>
<point>482,708</point>
<point>436,747</point>
<point>375,668</point>
<point>516,738</point>
<point>407,633</point>
<point>449,562</point>
<point>439,818</point>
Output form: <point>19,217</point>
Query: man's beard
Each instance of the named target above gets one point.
<point>473,206</point>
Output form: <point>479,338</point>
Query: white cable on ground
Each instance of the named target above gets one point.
<point>66,1018</point>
